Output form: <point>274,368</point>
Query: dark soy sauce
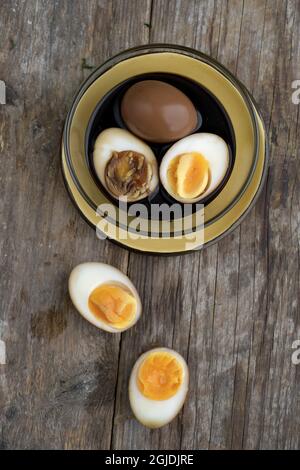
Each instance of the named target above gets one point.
<point>211,118</point>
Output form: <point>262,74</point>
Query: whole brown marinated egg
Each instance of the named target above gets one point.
<point>158,112</point>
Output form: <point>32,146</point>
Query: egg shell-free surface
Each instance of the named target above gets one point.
<point>157,413</point>
<point>85,278</point>
<point>119,140</point>
<point>158,111</point>
<point>212,147</point>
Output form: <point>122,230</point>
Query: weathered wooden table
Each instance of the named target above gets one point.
<point>232,310</point>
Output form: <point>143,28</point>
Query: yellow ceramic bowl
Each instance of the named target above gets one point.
<point>227,208</point>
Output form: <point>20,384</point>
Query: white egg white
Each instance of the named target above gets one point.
<point>85,278</point>
<point>157,413</point>
<point>119,140</point>
<point>212,147</point>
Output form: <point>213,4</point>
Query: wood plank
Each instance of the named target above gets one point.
<point>168,286</point>
<point>228,352</point>
<point>58,386</point>
<point>231,369</point>
<point>270,354</point>
<point>232,310</point>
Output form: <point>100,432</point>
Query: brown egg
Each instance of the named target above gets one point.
<point>158,112</point>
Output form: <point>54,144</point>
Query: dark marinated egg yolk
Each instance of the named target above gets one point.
<point>128,174</point>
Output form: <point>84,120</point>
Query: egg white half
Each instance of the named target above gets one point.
<point>212,147</point>
<point>85,278</point>
<point>119,140</point>
<point>157,413</point>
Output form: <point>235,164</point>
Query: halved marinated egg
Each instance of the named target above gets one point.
<point>158,386</point>
<point>125,165</point>
<point>194,167</point>
<point>104,296</point>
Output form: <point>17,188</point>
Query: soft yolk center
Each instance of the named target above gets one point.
<point>188,175</point>
<point>160,376</point>
<point>113,304</point>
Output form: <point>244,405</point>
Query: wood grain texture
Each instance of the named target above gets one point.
<point>232,310</point>
<point>61,372</point>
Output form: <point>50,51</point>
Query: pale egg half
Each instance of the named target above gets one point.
<point>104,296</point>
<point>125,165</point>
<point>158,386</point>
<point>194,167</point>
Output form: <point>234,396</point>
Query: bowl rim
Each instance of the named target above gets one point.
<point>150,49</point>
<point>184,252</point>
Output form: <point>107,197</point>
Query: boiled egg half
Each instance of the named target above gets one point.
<point>158,386</point>
<point>125,165</point>
<point>104,296</point>
<point>194,167</point>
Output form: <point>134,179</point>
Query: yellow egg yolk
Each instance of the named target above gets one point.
<point>113,304</point>
<point>188,175</point>
<point>159,376</point>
